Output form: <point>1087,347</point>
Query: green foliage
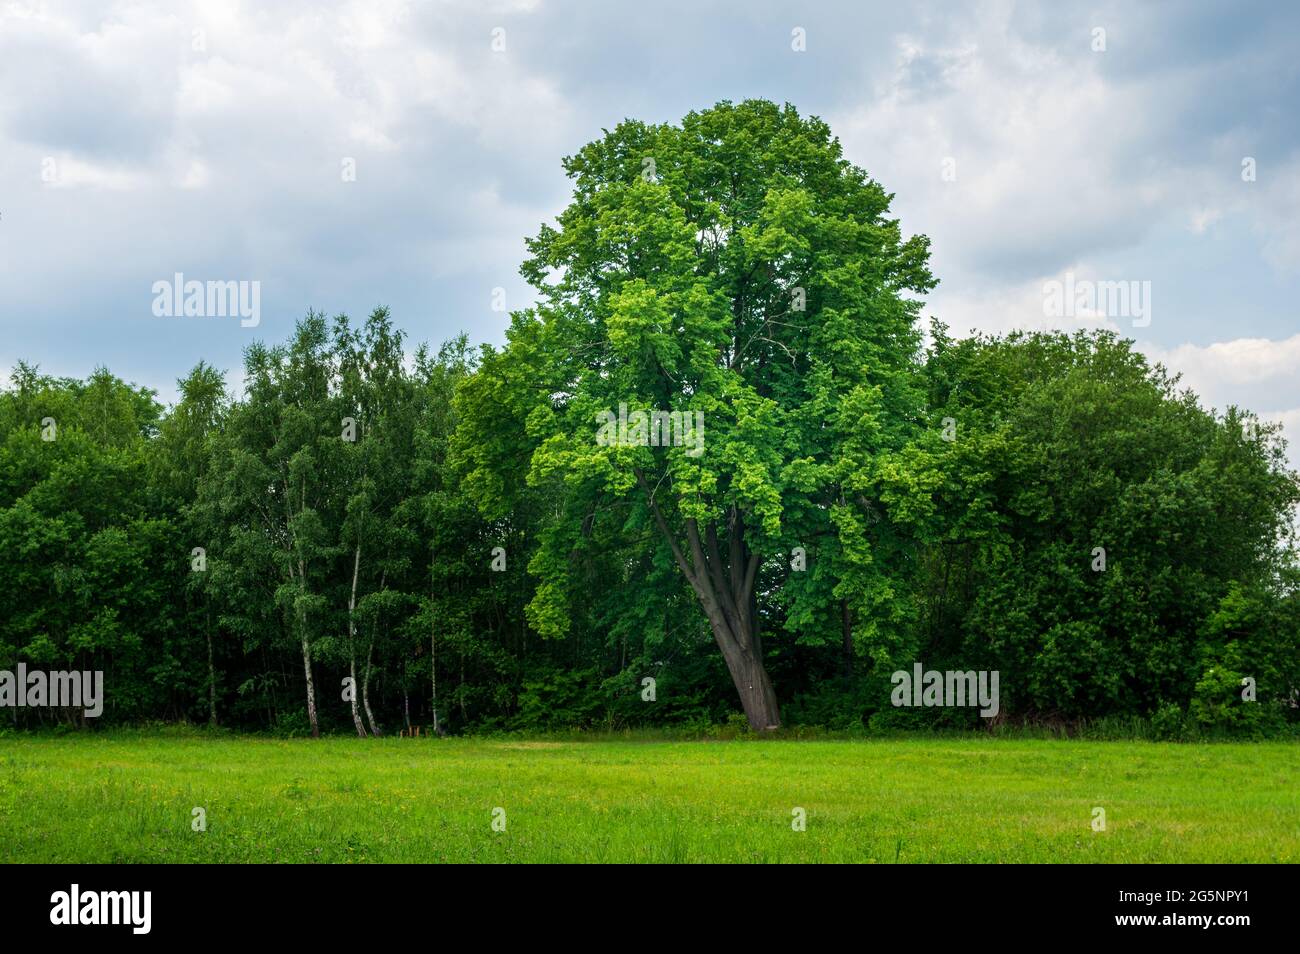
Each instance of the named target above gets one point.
<point>1077,444</point>
<point>558,699</point>
<point>951,504</point>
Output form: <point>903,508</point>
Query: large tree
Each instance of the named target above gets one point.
<point>738,270</point>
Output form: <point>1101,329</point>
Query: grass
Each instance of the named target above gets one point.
<point>128,797</point>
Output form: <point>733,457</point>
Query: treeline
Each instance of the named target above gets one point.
<point>463,540</point>
<point>237,561</point>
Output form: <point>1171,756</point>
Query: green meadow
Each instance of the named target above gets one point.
<point>130,797</point>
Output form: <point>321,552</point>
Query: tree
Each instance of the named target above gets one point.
<point>1097,536</point>
<point>86,546</point>
<point>376,393</point>
<point>275,480</point>
<point>738,273</point>
<point>457,610</point>
<point>179,461</point>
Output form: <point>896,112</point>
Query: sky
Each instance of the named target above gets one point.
<point>345,155</point>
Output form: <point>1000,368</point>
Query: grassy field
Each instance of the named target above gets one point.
<point>129,798</point>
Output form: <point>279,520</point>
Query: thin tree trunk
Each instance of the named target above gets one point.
<point>365,690</point>
<point>212,673</point>
<point>302,611</point>
<point>354,704</point>
<point>369,655</point>
<point>433,674</point>
<point>352,635</point>
<point>311,686</point>
<point>306,659</point>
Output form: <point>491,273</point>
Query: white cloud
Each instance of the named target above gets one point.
<point>1064,159</point>
<point>1255,374</point>
<point>1040,146</point>
<point>1226,368</point>
<point>220,151</point>
<point>1016,307</point>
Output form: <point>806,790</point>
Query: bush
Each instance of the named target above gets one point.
<point>1168,722</point>
<point>291,724</point>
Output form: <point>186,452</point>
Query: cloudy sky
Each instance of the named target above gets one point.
<point>1108,142</point>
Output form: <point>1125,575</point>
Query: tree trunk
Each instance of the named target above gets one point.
<point>352,633</point>
<point>356,710</point>
<point>762,708</point>
<point>370,651</point>
<point>302,609</point>
<point>365,690</point>
<point>743,654</point>
<point>726,591</point>
<point>433,675</point>
<point>311,686</point>
<point>212,671</point>
<point>306,659</point>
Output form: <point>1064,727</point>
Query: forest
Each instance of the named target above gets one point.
<point>355,533</point>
